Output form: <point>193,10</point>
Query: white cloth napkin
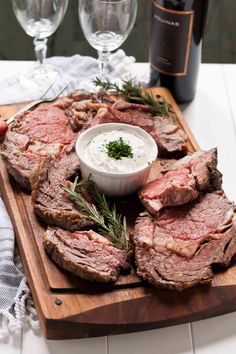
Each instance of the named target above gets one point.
<point>79,70</point>
<point>16,307</point>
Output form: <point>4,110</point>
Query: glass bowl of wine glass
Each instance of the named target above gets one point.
<point>39,19</point>
<point>106,25</point>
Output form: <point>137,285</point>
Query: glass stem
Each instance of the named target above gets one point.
<point>40,47</point>
<point>103,60</point>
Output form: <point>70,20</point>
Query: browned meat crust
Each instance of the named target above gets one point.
<point>183,183</point>
<point>51,127</point>
<point>51,203</point>
<point>33,136</point>
<point>177,249</point>
<point>86,254</point>
<point>21,164</point>
<point>168,136</point>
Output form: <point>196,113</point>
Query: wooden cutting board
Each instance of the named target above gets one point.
<point>69,307</point>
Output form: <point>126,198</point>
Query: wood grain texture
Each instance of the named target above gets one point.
<point>90,310</point>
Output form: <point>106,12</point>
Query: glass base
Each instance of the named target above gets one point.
<point>39,77</point>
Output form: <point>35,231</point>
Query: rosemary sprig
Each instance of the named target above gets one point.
<point>112,225</point>
<point>134,93</point>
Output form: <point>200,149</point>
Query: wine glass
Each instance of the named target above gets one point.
<point>39,19</point>
<point>106,25</point>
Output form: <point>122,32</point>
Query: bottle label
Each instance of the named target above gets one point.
<point>171,33</point>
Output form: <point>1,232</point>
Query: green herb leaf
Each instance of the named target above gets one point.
<point>113,225</point>
<point>134,93</point>
<point>117,149</point>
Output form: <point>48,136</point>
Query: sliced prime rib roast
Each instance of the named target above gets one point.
<point>178,248</point>
<point>168,136</point>
<point>21,163</point>
<point>187,178</point>
<point>46,130</point>
<point>86,254</point>
<point>50,202</point>
<point>33,136</point>
<point>81,107</point>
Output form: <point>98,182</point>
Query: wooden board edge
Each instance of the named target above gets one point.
<point>82,324</point>
<point>166,93</point>
<point>94,323</point>
<point>19,229</point>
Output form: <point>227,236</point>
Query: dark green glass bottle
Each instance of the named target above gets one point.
<point>177,28</point>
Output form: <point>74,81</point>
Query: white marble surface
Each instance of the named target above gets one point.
<point>212,119</point>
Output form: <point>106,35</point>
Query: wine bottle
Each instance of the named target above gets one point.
<point>177,28</point>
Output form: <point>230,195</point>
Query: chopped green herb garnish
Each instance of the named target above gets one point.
<point>118,149</point>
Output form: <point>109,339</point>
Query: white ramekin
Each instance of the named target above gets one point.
<point>115,184</point>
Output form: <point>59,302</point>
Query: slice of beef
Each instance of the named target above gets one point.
<point>46,124</point>
<point>81,107</point>
<point>173,188</point>
<point>86,254</point>
<point>33,136</point>
<point>122,105</point>
<point>203,165</point>
<point>51,203</point>
<point>67,164</point>
<point>21,164</point>
<point>169,137</point>
<point>208,216</point>
<point>178,249</point>
<point>131,116</point>
<point>81,113</point>
<point>183,183</point>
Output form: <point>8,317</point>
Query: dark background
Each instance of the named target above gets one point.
<point>219,45</point>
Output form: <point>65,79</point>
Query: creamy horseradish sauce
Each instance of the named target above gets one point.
<point>117,151</point>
